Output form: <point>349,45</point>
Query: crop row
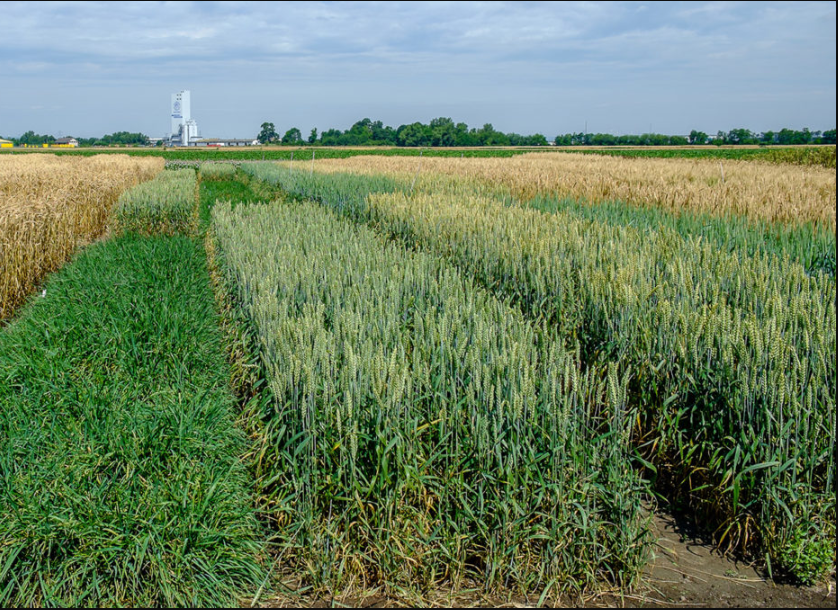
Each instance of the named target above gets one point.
<point>732,358</point>
<point>419,429</point>
<point>164,206</point>
<point>811,245</point>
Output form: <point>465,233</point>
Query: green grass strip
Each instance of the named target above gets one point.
<point>236,189</point>
<point>120,482</point>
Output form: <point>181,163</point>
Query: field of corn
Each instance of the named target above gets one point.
<point>440,373</point>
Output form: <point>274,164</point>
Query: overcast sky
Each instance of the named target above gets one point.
<point>90,68</point>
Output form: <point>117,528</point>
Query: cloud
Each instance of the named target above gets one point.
<point>475,56</point>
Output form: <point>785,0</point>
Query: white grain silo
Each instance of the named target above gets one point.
<point>184,128</point>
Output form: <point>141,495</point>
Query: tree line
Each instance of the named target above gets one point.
<point>737,136</point>
<point>120,138</point>
<point>445,132</point>
<point>439,132</point>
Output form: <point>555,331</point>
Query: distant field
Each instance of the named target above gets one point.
<point>799,155</point>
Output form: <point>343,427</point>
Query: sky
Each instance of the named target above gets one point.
<point>90,68</point>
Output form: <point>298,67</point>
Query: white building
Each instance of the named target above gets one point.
<point>184,128</point>
<point>220,142</point>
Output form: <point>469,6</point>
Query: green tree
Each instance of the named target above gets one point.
<point>603,139</point>
<point>578,139</point>
<point>489,137</point>
<point>803,137</point>
<point>740,136</point>
<point>384,134</point>
<point>361,132</point>
<point>415,134</point>
<point>792,136</point>
<point>697,137</point>
<point>33,139</point>
<point>462,135</point>
<point>536,139</point>
<point>443,132</point>
<point>268,134</point>
<point>292,137</point>
<point>331,137</point>
<point>122,138</point>
<point>312,137</point>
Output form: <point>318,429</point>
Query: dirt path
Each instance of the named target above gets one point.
<point>688,572</point>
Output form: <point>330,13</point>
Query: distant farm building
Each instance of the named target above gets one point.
<point>218,142</point>
<point>6,144</point>
<point>66,143</point>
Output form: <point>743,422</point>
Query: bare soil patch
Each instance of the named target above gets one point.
<point>689,572</point>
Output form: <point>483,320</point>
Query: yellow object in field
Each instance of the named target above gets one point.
<point>6,144</point>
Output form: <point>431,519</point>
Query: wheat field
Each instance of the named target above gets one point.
<point>50,206</point>
<point>760,191</point>
<point>729,344</point>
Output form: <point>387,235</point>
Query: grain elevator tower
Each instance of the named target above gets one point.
<point>184,128</point>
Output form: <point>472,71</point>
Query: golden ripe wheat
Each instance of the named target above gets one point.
<point>49,206</point>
